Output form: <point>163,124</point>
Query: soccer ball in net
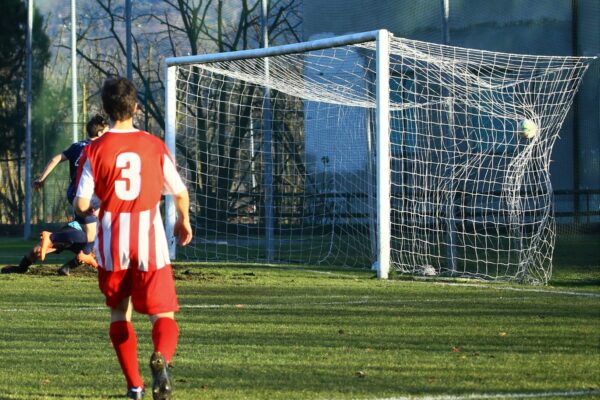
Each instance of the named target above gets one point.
<point>528,129</point>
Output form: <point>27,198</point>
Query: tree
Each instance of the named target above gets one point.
<point>209,27</point>
<point>180,27</point>
<point>13,32</point>
<point>173,28</point>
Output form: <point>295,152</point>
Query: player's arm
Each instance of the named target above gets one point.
<point>82,203</point>
<point>174,186</point>
<point>82,206</point>
<point>57,159</point>
<point>182,229</point>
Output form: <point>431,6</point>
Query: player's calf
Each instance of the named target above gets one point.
<point>45,244</point>
<point>23,266</point>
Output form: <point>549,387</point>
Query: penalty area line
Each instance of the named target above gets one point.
<point>474,396</point>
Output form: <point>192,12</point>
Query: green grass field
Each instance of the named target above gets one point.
<point>259,332</point>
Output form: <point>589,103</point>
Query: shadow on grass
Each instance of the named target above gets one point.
<point>579,283</point>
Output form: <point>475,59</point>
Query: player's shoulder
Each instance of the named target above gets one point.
<point>117,141</point>
<point>75,148</point>
<point>152,138</point>
<point>76,145</point>
<point>80,143</point>
<point>93,146</point>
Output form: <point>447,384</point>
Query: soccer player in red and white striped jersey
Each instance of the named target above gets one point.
<point>129,170</point>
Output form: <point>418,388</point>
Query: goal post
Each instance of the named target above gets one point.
<point>373,151</point>
<point>381,246</point>
<point>382,136</point>
<point>170,132</point>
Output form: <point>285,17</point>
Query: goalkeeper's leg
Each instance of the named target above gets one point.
<point>45,244</point>
<point>66,268</point>
<point>65,238</point>
<point>88,225</point>
<point>23,266</point>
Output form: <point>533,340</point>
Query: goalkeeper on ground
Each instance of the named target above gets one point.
<point>95,128</point>
<point>70,237</point>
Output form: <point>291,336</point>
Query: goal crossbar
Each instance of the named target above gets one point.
<point>293,48</point>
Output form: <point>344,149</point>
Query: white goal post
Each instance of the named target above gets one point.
<point>371,150</point>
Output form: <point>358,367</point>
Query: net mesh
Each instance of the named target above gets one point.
<point>470,194</point>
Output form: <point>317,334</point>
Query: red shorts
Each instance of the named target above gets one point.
<point>151,292</point>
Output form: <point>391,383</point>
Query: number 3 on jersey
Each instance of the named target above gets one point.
<point>129,185</point>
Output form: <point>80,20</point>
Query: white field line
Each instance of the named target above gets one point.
<point>360,301</point>
<point>249,305</point>
<point>473,396</point>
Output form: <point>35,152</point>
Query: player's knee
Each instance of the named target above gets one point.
<point>155,317</point>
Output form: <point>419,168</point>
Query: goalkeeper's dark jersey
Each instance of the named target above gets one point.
<point>73,153</point>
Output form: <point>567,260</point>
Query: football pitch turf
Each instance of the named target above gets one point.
<point>289,332</point>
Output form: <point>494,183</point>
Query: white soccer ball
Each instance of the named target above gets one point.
<point>528,129</point>
<point>427,270</point>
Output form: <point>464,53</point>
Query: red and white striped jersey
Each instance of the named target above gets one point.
<point>129,170</point>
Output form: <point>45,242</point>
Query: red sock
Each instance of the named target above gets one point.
<point>122,336</point>
<point>165,333</point>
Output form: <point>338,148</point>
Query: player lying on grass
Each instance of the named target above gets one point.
<point>70,237</point>
<point>95,128</point>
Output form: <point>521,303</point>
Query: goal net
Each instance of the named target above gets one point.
<point>370,150</point>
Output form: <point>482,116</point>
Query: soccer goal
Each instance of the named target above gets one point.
<point>373,151</point>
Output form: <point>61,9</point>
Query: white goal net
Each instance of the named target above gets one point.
<point>436,163</point>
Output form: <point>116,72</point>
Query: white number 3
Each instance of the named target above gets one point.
<point>129,186</point>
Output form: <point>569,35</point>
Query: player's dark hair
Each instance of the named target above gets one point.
<point>95,126</point>
<point>119,97</point>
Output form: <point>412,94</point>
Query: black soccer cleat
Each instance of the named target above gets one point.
<point>14,269</point>
<point>65,270</point>
<point>67,267</point>
<point>161,384</point>
<point>135,393</point>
